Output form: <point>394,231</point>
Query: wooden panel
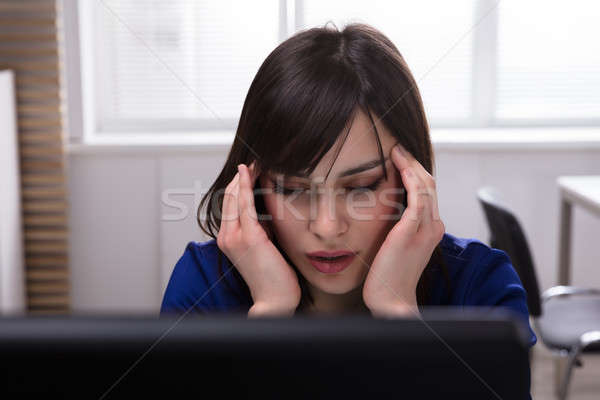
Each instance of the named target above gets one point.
<point>26,37</point>
<point>42,179</point>
<point>42,165</point>
<point>39,137</point>
<point>45,247</point>
<point>30,22</point>
<point>44,205</point>
<point>50,95</point>
<point>28,6</point>
<point>39,108</point>
<point>37,288</point>
<point>46,261</point>
<point>29,79</point>
<point>47,275</point>
<point>40,122</point>
<point>52,311</point>
<point>50,149</point>
<point>25,65</point>
<point>29,45</point>
<point>27,52</point>
<point>45,234</point>
<point>50,301</point>
<point>44,193</point>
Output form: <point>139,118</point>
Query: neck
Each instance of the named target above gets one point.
<point>327,303</point>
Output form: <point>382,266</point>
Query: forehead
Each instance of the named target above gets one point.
<point>359,147</point>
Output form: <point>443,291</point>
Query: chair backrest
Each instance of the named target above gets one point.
<point>506,234</point>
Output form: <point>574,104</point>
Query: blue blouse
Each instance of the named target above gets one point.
<point>479,276</point>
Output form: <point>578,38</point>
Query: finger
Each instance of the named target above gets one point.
<point>435,211</point>
<point>428,181</point>
<point>230,215</point>
<point>424,194</point>
<point>254,172</point>
<point>432,213</point>
<point>426,197</point>
<point>415,214</point>
<point>415,164</point>
<point>400,163</point>
<point>414,211</point>
<point>399,158</point>
<point>247,209</point>
<point>263,218</point>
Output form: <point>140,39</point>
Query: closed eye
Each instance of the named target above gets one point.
<point>286,191</point>
<point>368,188</point>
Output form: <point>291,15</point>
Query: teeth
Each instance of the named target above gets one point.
<point>329,258</point>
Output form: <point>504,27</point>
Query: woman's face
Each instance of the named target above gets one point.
<point>334,215</point>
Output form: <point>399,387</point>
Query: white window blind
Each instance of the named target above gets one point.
<point>430,37</point>
<point>181,65</point>
<point>187,65</point>
<point>549,61</point>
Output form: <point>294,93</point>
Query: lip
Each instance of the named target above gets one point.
<point>331,267</point>
<point>335,253</point>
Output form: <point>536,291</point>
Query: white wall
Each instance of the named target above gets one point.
<point>123,248</point>
<point>12,289</point>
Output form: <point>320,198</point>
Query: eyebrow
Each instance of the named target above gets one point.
<point>354,170</point>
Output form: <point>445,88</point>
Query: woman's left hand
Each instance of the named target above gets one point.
<point>390,287</point>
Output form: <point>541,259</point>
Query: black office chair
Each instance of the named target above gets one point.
<point>566,318</point>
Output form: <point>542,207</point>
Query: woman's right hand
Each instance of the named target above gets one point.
<point>272,282</point>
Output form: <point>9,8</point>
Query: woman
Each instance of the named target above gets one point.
<point>327,204</point>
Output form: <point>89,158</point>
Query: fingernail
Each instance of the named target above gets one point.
<point>401,152</point>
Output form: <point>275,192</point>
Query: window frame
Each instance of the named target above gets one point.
<point>82,102</point>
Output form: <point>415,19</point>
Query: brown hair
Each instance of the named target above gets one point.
<point>300,101</point>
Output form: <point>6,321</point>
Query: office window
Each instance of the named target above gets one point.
<point>187,65</point>
<point>181,65</point>
<point>423,31</point>
<point>549,62</point>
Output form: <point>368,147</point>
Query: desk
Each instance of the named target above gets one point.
<point>581,190</point>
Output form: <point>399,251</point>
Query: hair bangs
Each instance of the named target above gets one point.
<point>312,114</point>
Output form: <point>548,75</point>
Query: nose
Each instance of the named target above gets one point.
<point>327,219</point>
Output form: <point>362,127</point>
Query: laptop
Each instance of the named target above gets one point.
<point>463,354</point>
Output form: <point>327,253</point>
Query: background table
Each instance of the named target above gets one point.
<point>583,190</point>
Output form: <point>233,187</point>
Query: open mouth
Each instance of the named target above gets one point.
<point>331,265</point>
<point>329,258</point>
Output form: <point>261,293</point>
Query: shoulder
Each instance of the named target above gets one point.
<point>477,271</point>
<point>199,284</point>
<point>481,275</point>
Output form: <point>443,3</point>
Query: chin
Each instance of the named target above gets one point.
<point>335,284</point>
<point>338,289</point>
